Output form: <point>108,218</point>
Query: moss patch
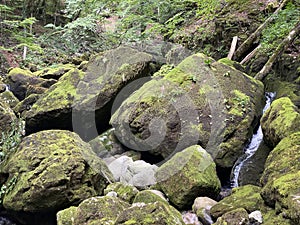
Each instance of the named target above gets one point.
<point>280,120</point>
<point>247,197</point>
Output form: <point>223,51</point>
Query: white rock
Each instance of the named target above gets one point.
<point>257,216</point>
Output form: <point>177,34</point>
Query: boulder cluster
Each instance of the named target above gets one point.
<point>121,139</point>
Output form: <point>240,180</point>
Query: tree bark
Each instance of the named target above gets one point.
<point>233,47</point>
<point>245,46</point>
<point>278,51</point>
<point>250,55</point>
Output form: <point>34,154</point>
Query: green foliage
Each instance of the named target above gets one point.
<point>284,22</point>
<point>11,139</point>
<point>6,188</point>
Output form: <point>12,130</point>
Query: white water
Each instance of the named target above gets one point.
<point>7,87</point>
<point>251,147</point>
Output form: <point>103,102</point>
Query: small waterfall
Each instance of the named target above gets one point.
<point>7,88</point>
<point>252,146</point>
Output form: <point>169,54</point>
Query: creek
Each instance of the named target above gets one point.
<point>251,148</point>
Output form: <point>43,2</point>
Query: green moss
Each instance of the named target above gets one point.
<point>188,174</point>
<point>65,217</point>
<point>130,222</point>
<point>56,70</point>
<point>247,197</point>
<point>63,171</point>
<point>227,62</point>
<point>272,218</point>
<point>125,192</point>
<point>148,196</point>
<point>205,85</point>
<point>99,210</point>
<point>61,94</point>
<point>285,89</point>
<point>280,120</point>
<point>9,98</point>
<point>19,71</point>
<point>149,214</point>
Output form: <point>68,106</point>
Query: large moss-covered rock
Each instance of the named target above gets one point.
<point>199,101</point>
<point>281,177</point>
<point>247,197</point>
<point>280,120</point>
<point>82,100</point>
<point>187,175</point>
<point>157,213</point>
<point>23,83</point>
<point>52,170</point>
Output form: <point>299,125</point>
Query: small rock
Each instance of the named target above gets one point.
<point>256,217</point>
<point>201,207</point>
<point>112,194</point>
<point>137,173</point>
<point>190,218</point>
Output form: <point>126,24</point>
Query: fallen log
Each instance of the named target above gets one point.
<point>250,55</point>
<point>278,51</point>
<point>246,45</point>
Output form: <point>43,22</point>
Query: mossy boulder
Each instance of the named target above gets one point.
<point>93,211</point>
<point>52,170</point>
<point>7,117</point>
<point>157,213</point>
<point>270,217</point>
<point>23,83</point>
<point>25,105</point>
<point>187,175</point>
<point>126,192</point>
<point>54,72</point>
<point>281,178</point>
<point>280,120</point>
<point>66,216</point>
<point>235,217</point>
<point>82,101</point>
<point>9,98</point>
<point>149,196</point>
<point>247,197</point>
<point>53,109</point>
<point>199,101</point>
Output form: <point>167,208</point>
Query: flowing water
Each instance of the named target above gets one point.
<point>251,147</point>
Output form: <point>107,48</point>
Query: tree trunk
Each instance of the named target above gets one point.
<point>280,48</point>
<point>245,46</point>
